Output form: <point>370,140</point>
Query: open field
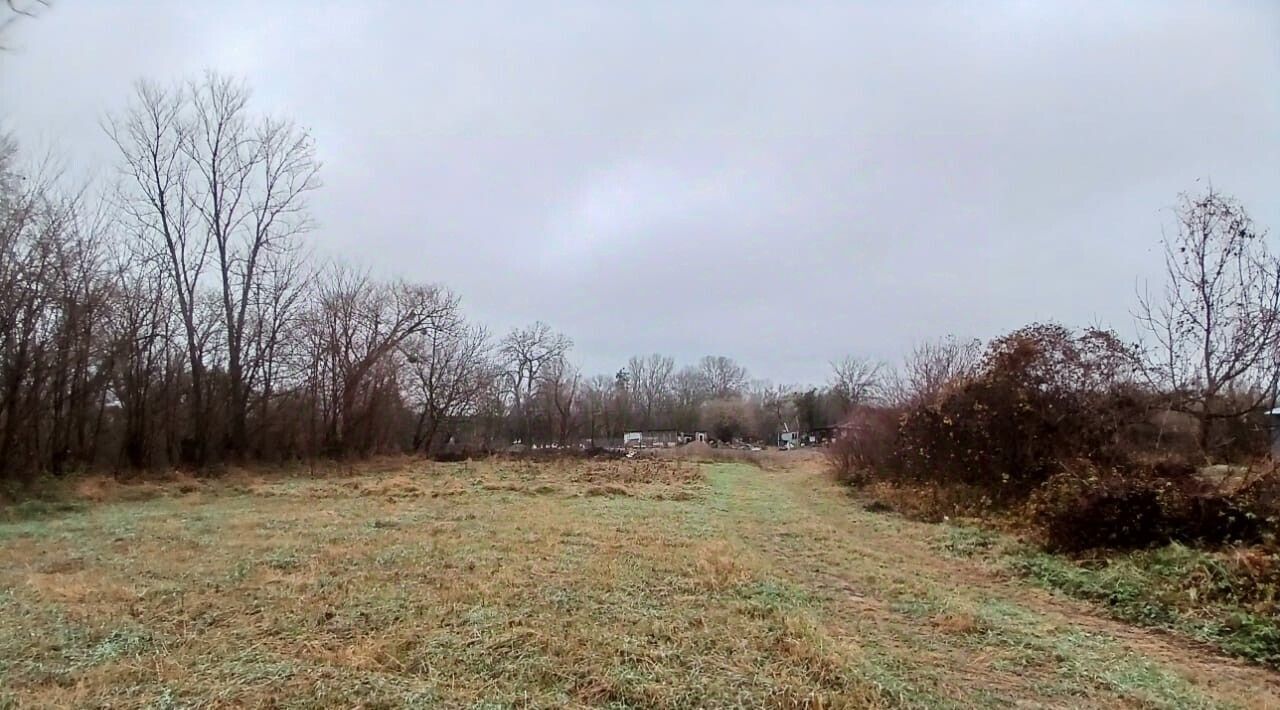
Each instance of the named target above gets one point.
<point>574,584</point>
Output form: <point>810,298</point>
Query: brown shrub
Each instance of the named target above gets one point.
<point>868,445</point>
<point>1040,396</point>
<point>1242,438</point>
<point>929,502</point>
<point>1088,507</point>
<point>1043,395</point>
<point>1053,423</point>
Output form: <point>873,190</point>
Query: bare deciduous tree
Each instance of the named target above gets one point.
<point>930,368</point>
<point>55,301</point>
<point>559,385</point>
<point>723,377</point>
<point>726,419</point>
<point>225,193</point>
<point>250,177</point>
<point>157,196</point>
<point>450,373</point>
<point>356,326</point>
<point>526,351</point>
<point>651,382</point>
<point>142,337</point>
<point>777,410</point>
<point>854,382</point>
<point>598,395</point>
<point>689,391</point>
<point>1213,334</point>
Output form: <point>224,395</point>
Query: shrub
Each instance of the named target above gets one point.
<point>1055,419</point>
<point>726,419</point>
<point>1088,507</point>
<point>1212,517</point>
<point>1042,395</point>
<point>868,445</point>
<point>1242,438</point>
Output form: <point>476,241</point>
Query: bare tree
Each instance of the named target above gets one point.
<point>559,385</point>
<point>727,419</point>
<point>855,382</point>
<point>1213,335</point>
<point>142,338</point>
<point>55,301</point>
<point>526,351</point>
<point>930,368</point>
<point>355,330</point>
<point>723,377</point>
<point>221,195</point>
<point>689,391</point>
<point>777,410</point>
<point>249,180</point>
<point>157,197</point>
<point>276,362</point>
<point>598,394</point>
<point>651,382</point>
<point>451,372</point>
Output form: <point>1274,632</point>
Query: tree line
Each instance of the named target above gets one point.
<point>178,319</point>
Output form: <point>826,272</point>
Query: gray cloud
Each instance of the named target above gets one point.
<point>780,182</point>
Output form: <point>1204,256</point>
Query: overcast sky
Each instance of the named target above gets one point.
<point>783,182</point>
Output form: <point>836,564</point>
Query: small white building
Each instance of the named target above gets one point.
<point>661,438</point>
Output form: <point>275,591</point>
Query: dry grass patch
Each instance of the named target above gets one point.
<point>452,584</point>
<point>463,585</point>
<point>718,566</point>
<point>392,480</point>
<point>959,623</point>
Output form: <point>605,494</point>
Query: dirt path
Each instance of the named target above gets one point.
<point>957,628</point>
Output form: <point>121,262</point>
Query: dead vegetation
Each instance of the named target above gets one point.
<point>1050,436</point>
<point>391,479</point>
<point>457,585</point>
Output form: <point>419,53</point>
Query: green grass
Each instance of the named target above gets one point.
<point>1084,658</point>
<point>967,541</point>
<point>1174,587</point>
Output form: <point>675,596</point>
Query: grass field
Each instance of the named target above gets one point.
<point>625,584</point>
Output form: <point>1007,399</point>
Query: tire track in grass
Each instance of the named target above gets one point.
<point>942,630</point>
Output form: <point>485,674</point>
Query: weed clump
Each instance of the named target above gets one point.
<point>1088,507</point>
<point>1227,598</point>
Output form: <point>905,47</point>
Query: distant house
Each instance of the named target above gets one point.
<point>661,438</point>
<point>652,438</point>
<point>821,435</point>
